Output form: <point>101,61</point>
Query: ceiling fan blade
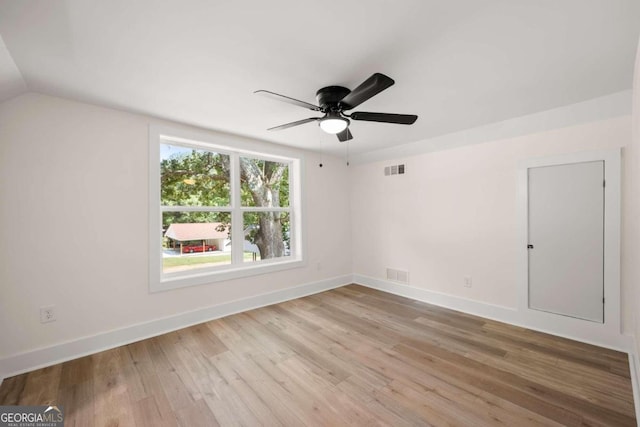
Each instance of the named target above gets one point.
<point>288,99</point>
<point>345,135</point>
<point>402,119</point>
<point>369,88</point>
<point>292,124</point>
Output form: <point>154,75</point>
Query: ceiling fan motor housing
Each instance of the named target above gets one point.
<point>329,97</point>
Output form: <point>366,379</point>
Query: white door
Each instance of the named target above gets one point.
<point>566,239</point>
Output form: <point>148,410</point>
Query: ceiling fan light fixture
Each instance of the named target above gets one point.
<point>333,123</point>
<point>333,101</point>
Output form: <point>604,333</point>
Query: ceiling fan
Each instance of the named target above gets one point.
<point>335,100</point>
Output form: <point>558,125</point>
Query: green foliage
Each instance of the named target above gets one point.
<point>202,178</point>
<point>283,188</point>
<point>199,178</point>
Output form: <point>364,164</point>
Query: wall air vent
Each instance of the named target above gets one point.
<point>394,170</point>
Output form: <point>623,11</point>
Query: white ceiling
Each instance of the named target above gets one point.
<point>457,63</point>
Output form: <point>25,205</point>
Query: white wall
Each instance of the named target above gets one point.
<point>74,215</point>
<point>454,212</point>
<point>631,246</point>
<point>631,252</point>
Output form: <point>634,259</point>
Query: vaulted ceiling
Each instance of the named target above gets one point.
<point>457,63</point>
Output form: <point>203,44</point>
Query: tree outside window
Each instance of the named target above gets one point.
<point>197,188</point>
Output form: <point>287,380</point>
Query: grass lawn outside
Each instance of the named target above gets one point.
<point>180,261</point>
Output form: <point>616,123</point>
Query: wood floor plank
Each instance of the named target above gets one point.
<point>268,392</point>
<point>208,344</point>
<point>294,398</point>
<point>146,373</point>
<point>571,375</point>
<point>77,371</point>
<point>531,395</point>
<point>41,387</point>
<point>366,395</point>
<point>349,356</point>
<point>566,349</point>
<point>111,400</point>
<point>146,413</point>
<point>79,404</point>
<point>229,369</point>
<point>173,386</point>
<point>342,409</point>
<point>12,389</point>
<point>134,380</point>
<point>196,415</point>
<point>402,327</point>
<point>258,337</point>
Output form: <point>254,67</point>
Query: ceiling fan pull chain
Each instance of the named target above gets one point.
<point>347,143</point>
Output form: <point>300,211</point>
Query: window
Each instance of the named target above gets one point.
<point>219,212</point>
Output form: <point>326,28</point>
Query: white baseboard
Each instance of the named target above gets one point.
<point>576,330</point>
<point>634,368</point>
<point>40,358</point>
<point>489,311</point>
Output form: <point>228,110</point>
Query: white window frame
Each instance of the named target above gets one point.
<point>235,147</point>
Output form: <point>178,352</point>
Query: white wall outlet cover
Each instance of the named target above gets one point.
<point>47,314</point>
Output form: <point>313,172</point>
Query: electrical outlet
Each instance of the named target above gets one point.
<point>467,281</point>
<point>47,314</point>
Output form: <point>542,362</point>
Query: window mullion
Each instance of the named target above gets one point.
<point>294,206</point>
<point>265,209</point>
<point>195,208</point>
<point>237,226</point>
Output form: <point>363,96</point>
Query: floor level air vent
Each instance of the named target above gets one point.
<point>397,275</point>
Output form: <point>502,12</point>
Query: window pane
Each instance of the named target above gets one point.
<point>264,183</point>
<point>193,177</point>
<point>193,240</point>
<point>266,235</point>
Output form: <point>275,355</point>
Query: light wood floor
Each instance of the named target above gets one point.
<point>351,356</point>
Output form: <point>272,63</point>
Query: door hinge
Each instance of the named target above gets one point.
<point>603,300</point>
<point>604,183</point>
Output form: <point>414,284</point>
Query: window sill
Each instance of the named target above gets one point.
<point>206,277</point>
